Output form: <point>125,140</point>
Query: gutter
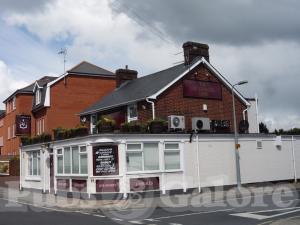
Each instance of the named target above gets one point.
<point>153,107</point>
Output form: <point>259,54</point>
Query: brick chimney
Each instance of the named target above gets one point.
<point>123,75</point>
<point>193,50</point>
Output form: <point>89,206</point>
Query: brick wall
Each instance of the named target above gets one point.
<point>23,106</point>
<point>67,101</point>
<point>172,102</point>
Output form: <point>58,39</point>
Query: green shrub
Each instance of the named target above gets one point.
<point>63,133</point>
<point>133,126</point>
<point>106,124</point>
<point>36,139</point>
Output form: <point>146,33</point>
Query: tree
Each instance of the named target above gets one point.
<point>263,128</point>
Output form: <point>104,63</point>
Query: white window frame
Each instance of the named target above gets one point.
<point>79,174</point>
<point>173,150</point>
<point>93,125</point>
<point>8,133</point>
<point>30,165</point>
<point>14,131</point>
<point>129,119</point>
<point>14,106</point>
<point>38,96</point>
<point>143,159</point>
<point>43,125</point>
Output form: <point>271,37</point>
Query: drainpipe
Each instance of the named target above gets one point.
<point>244,113</point>
<point>21,169</point>
<point>153,107</point>
<point>294,159</point>
<point>198,163</point>
<point>44,168</point>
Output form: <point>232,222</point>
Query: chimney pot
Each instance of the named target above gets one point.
<point>193,50</point>
<point>123,75</point>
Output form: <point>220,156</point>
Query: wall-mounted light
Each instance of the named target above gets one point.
<point>204,107</point>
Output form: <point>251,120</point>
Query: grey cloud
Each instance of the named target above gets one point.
<point>22,5</point>
<point>235,22</point>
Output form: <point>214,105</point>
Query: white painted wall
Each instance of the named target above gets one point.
<point>266,164</point>
<point>35,182</point>
<point>253,117</point>
<point>214,166</point>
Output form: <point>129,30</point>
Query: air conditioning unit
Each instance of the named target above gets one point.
<point>200,123</point>
<point>176,122</point>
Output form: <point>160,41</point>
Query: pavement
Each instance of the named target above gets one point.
<point>269,205</point>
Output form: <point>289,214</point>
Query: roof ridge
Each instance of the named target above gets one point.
<point>160,71</point>
<point>91,64</point>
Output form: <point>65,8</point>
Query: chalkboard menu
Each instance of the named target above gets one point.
<point>106,161</point>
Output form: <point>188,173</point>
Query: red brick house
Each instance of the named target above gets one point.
<point>191,89</point>
<point>52,102</point>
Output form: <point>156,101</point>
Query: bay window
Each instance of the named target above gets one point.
<point>142,157</point>
<point>72,160</point>
<point>34,163</point>
<point>172,156</point>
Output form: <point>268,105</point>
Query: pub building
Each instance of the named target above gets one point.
<point>193,97</point>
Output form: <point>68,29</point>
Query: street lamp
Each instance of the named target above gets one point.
<point>237,154</point>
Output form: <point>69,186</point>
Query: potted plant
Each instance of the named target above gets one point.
<point>133,127</point>
<point>158,125</point>
<point>106,124</point>
<point>45,137</point>
<point>25,140</point>
<point>124,128</point>
<point>81,131</point>
<point>59,133</point>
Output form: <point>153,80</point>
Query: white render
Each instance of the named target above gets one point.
<point>206,162</point>
<point>252,114</point>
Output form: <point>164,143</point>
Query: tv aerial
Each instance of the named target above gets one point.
<point>63,52</point>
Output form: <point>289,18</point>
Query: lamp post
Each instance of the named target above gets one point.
<point>237,154</point>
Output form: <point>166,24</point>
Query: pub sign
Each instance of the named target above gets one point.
<point>202,89</point>
<point>23,125</point>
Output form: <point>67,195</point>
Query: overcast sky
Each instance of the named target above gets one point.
<point>256,40</point>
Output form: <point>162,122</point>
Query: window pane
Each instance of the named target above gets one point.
<point>67,160</point>
<point>132,111</point>
<point>134,161</point>
<point>60,168</point>
<point>38,164</point>
<point>172,146</point>
<point>151,156</point>
<point>93,123</point>
<point>34,164</point>
<point>75,160</point>
<point>30,164</point>
<point>59,151</point>
<point>134,147</point>
<point>83,164</point>
<point>172,160</point>
<point>83,149</point>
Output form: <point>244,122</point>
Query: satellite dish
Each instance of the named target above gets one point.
<point>244,126</point>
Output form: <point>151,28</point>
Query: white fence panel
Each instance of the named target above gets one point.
<point>268,163</point>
